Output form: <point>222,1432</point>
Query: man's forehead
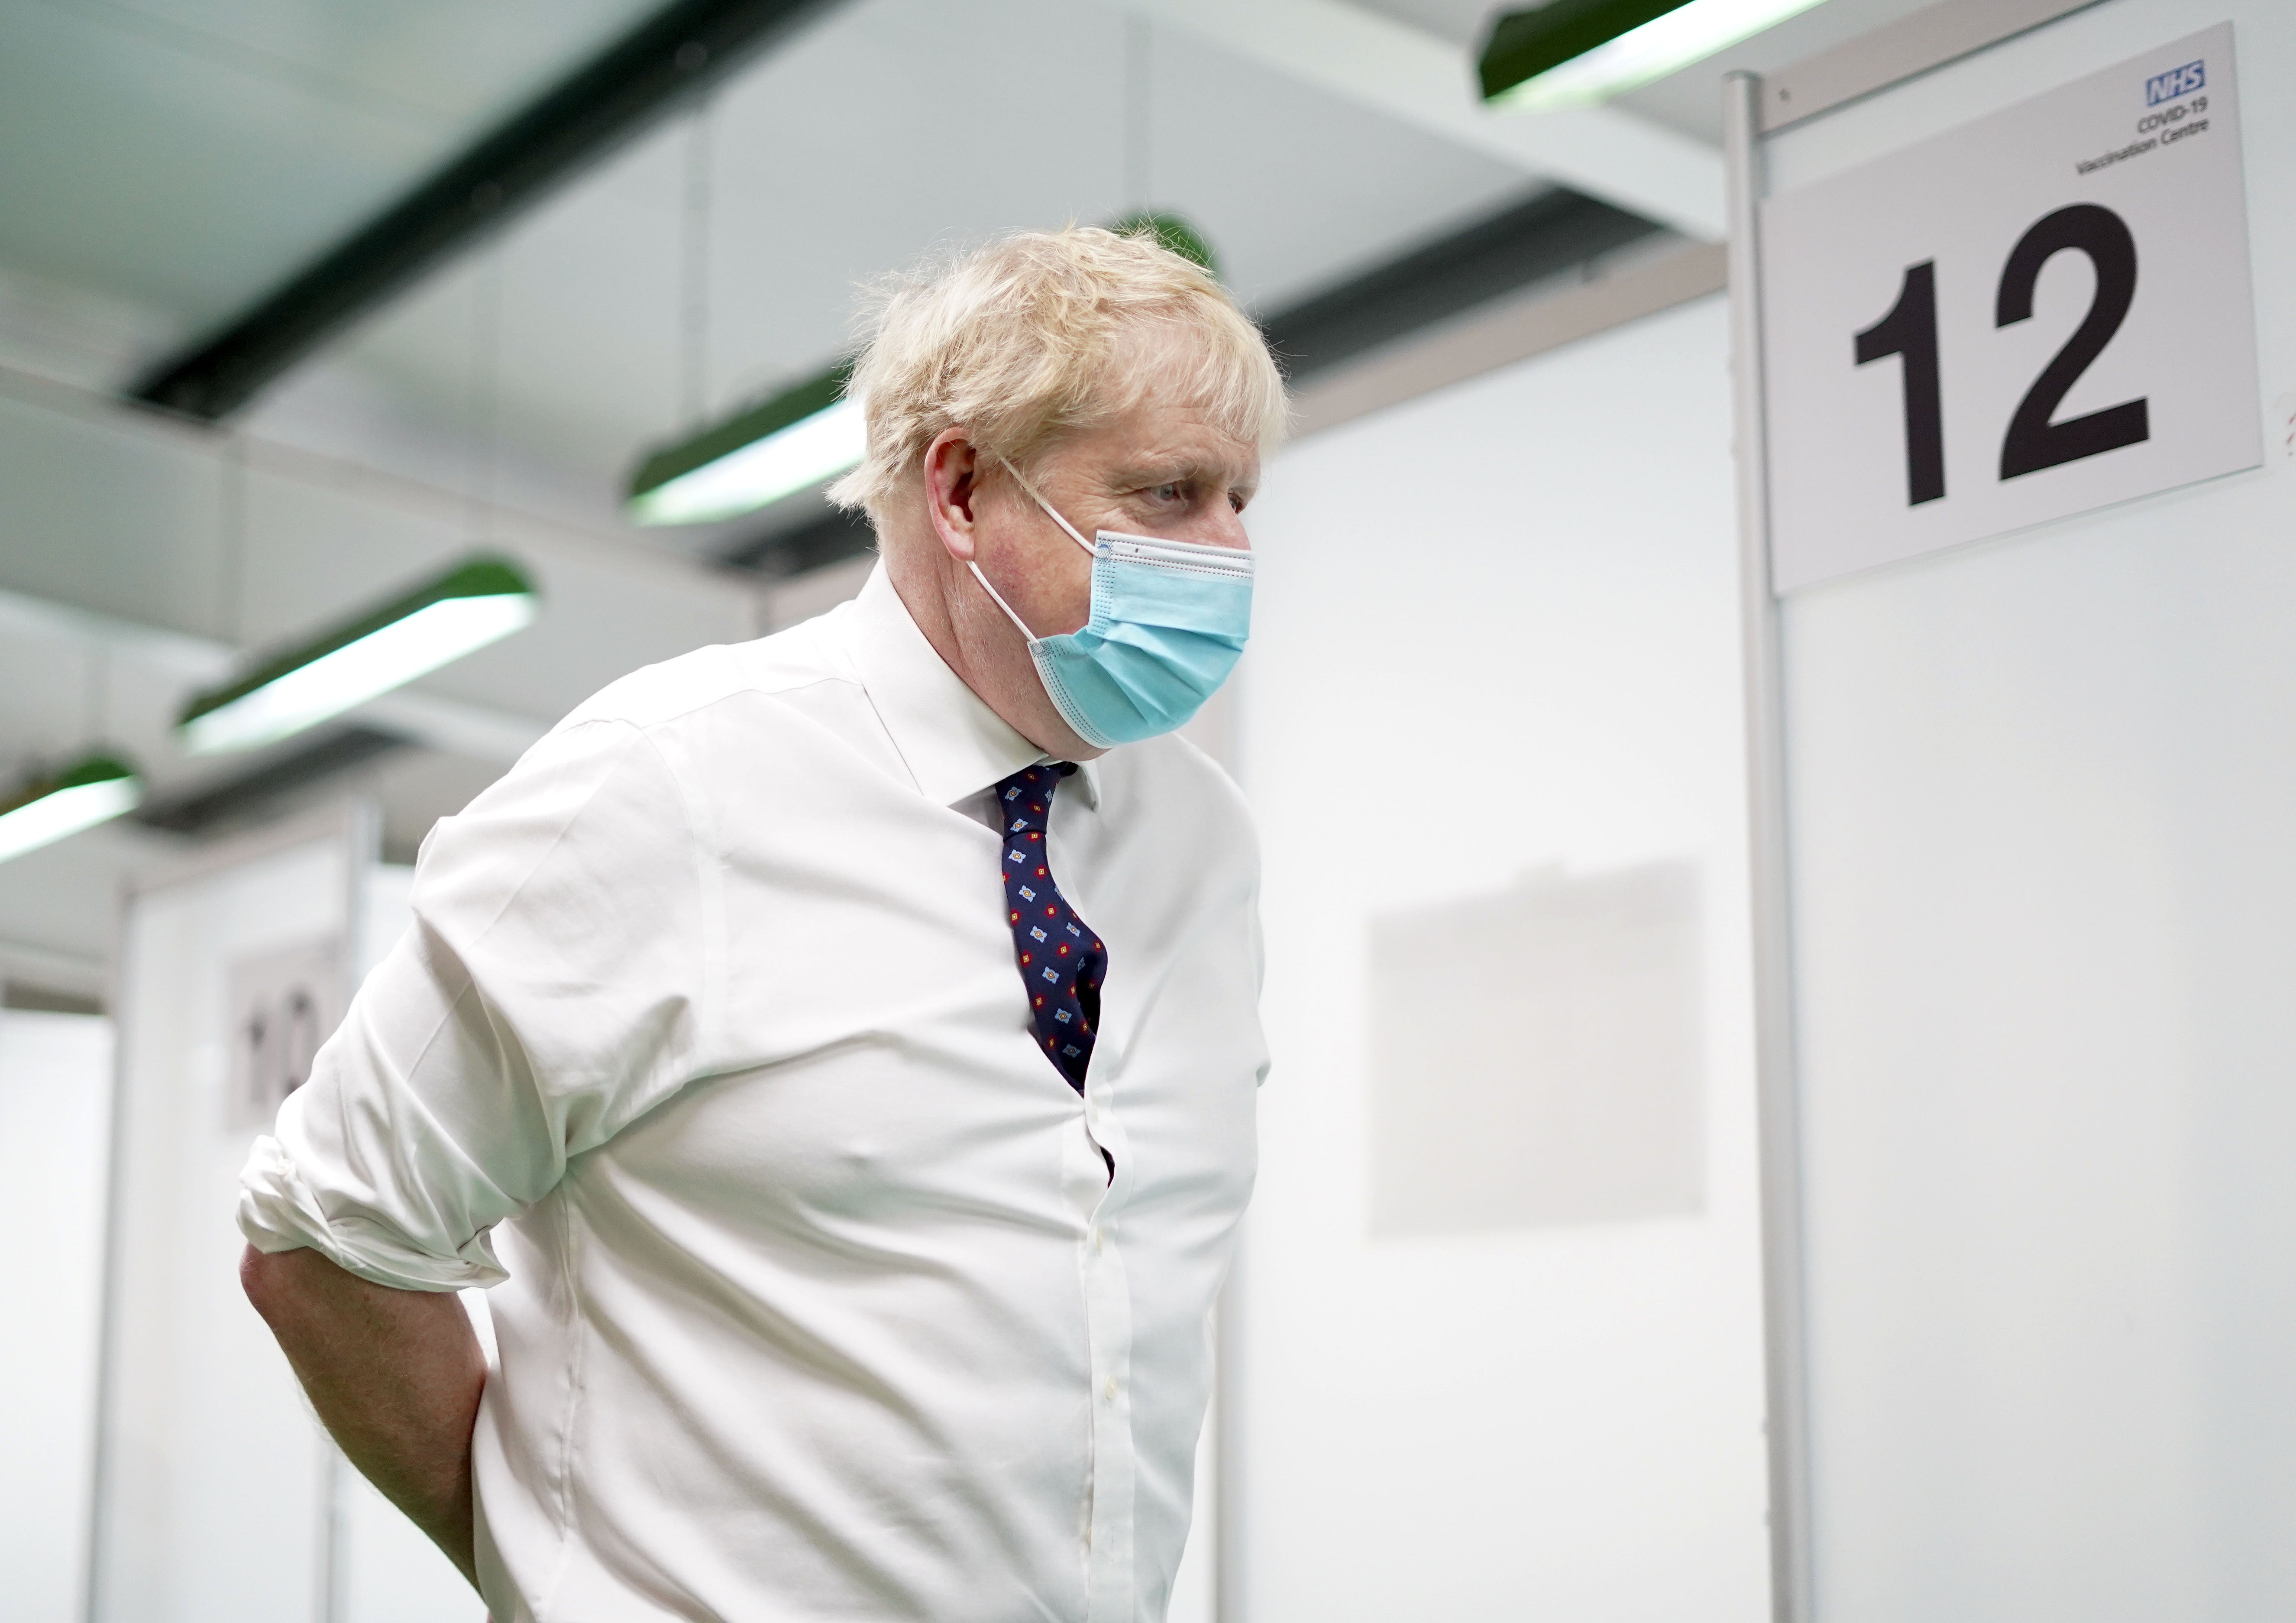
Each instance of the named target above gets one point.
<point>1171,441</point>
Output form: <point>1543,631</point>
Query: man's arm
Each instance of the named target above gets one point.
<point>526,1017</point>
<point>395,1375</point>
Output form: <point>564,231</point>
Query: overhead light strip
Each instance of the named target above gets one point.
<point>794,440</point>
<point>1575,52</point>
<point>476,602</point>
<point>94,791</point>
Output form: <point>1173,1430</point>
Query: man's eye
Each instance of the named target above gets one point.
<point>1169,493</point>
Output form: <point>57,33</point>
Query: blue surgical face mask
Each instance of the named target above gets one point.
<point>1168,620</point>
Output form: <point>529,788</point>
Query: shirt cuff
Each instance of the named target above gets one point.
<point>280,1211</point>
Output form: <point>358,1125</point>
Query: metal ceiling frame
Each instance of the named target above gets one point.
<point>616,95</point>
<point>1549,232</point>
<point>1423,80</point>
<point>256,792</point>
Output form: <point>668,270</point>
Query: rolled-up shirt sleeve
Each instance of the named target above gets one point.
<point>552,988</point>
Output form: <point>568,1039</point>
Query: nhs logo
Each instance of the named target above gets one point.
<point>2176,84</point>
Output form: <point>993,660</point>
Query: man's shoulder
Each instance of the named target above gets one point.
<point>1171,781</point>
<point>661,696</point>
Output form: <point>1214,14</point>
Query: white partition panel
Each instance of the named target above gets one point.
<point>215,1481</point>
<point>1494,678</point>
<point>55,1102</point>
<point>2039,794</point>
<point>219,1498</point>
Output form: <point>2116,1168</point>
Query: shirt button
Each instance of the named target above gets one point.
<point>1108,1388</point>
<point>1100,1239</point>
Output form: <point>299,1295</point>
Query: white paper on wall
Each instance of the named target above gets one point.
<point>1536,1055</point>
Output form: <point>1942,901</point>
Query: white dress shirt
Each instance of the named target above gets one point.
<point>816,1296</point>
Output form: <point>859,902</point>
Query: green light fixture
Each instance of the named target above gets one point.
<point>800,436</point>
<point>1575,53</point>
<point>796,440</point>
<point>93,791</point>
<point>478,601</point>
<point>1170,232</point>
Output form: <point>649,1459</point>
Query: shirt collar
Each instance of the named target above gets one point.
<point>954,744</point>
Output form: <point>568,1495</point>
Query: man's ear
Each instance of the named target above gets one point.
<point>952,470</point>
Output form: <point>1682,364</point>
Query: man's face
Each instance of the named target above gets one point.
<point>1161,470</point>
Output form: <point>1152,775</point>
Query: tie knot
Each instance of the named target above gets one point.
<point>1033,783</point>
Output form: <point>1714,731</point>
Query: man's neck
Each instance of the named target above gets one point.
<point>976,642</point>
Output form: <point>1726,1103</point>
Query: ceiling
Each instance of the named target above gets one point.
<point>183,154</point>
<point>166,162</point>
<point>893,128</point>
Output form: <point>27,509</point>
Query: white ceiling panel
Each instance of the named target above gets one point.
<point>1302,188</point>
<point>458,64</point>
<point>187,156</point>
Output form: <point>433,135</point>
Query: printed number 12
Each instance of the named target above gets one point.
<point>2034,440</point>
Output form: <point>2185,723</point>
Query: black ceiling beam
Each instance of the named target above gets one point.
<point>829,539</point>
<point>614,96</point>
<point>1552,231</point>
<point>259,789</point>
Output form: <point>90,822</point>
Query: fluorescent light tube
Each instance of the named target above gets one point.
<point>479,601</point>
<point>1605,67</point>
<point>797,439</point>
<point>96,791</point>
<point>759,474</point>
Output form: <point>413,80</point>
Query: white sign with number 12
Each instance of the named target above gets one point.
<point>2032,315</point>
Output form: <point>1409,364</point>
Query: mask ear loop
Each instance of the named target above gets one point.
<point>1051,512</point>
<point>998,597</point>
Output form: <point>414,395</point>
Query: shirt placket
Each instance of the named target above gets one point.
<point>1107,1331</point>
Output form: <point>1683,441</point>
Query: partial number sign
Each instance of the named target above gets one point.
<point>284,1003</point>
<point>2032,315</point>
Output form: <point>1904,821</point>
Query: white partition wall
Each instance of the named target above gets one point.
<point>218,1498</point>
<point>2039,797</point>
<point>55,1105</point>
<point>214,1496</point>
<point>1497,1339</point>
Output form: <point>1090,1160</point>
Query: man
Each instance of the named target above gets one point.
<point>848,1097</point>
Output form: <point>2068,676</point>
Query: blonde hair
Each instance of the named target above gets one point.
<point>1043,334</point>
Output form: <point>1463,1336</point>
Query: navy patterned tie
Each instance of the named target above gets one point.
<point>1062,961</point>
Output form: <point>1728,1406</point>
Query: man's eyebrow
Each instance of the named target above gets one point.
<point>1179,468</point>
